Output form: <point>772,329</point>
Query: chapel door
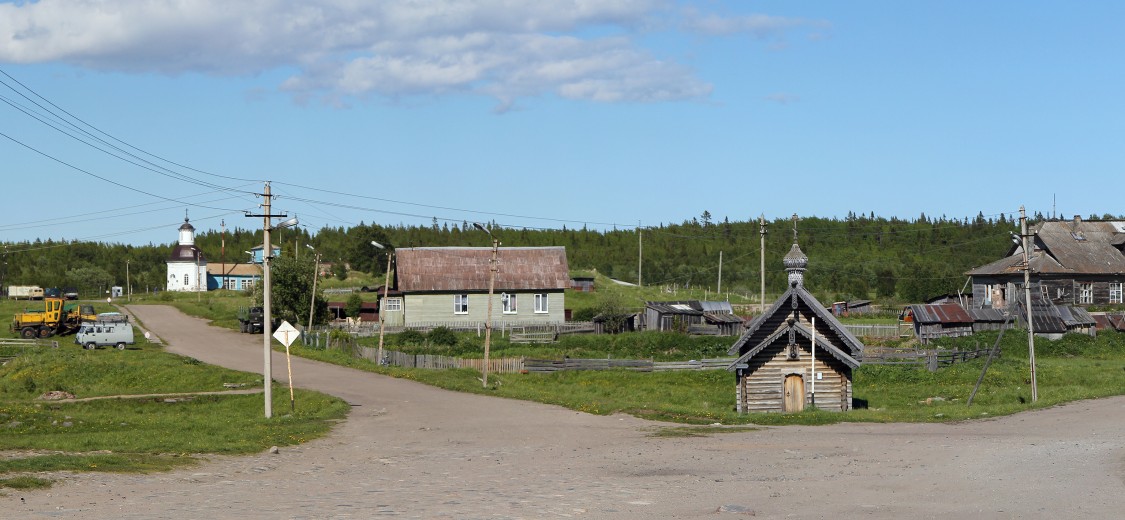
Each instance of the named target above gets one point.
<point>794,393</point>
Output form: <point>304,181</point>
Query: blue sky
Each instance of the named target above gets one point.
<point>550,113</point>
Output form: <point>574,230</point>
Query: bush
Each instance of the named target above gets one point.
<point>442,336</point>
<point>409,337</point>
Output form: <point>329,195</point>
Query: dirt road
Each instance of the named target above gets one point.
<point>413,451</point>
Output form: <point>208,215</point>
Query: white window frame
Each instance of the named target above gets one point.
<point>230,283</point>
<point>1086,293</point>
<point>187,279</point>
<point>460,304</point>
<point>1115,292</point>
<point>249,283</point>
<point>541,303</point>
<point>393,304</point>
<point>508,303</point>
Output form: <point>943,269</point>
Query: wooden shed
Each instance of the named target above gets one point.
<point>796,354</point>
<point>937,321</point>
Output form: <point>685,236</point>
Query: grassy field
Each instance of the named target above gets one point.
<point>136,433</point>
<point>1077,367</point>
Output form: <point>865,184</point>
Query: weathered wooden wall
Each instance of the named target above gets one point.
<point>761,387</point>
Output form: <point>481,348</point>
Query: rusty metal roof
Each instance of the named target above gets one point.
<point>443,269</point>
<point>939,313</point>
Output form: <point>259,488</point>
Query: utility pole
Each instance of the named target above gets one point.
<point>1027,294</point>
<point>267,311</point>
<point>719,288</point>
<point>223,252</point>
<point>492,268</point>
<point>312,299</point>
<point>640,253</point>
<point>762,231</point>
<point>128,283</point>
<point>383,304</point>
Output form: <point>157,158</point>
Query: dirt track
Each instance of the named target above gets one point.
<point>413,451</point>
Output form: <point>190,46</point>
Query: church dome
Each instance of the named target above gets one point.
<point>796,259</point>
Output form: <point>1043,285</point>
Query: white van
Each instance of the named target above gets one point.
<point>109,329</point>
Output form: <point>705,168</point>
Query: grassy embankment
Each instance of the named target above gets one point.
<point>131,433</point>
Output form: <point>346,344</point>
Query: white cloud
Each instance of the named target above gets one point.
<point>507,49</point>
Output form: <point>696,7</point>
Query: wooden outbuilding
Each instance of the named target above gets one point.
<point>937,321</point>
<point>796,354</point>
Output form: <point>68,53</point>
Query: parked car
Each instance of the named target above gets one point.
<point>110,328</point>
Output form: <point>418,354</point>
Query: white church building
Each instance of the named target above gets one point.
<point>187,268</point>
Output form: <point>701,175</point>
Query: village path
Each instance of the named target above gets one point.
<point>412,451</point>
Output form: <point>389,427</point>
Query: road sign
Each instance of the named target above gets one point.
<point>286,333</point>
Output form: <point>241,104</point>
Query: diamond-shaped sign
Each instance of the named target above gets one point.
<point>286,333</point>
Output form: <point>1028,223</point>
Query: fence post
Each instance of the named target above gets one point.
<point>931,361</point>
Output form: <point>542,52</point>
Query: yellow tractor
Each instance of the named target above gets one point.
<point>56,318</point>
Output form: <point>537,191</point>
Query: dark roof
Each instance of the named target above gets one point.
<point>1067,247</point>
<point>1075,316</point>
<point>721,317</point>
<point>987,315</point>
<point>1045,316</point>
<point>183,253</point>
<point>946,313</point>
<point>831,335</point>
<point>423,269</point>
<point>681,307</point>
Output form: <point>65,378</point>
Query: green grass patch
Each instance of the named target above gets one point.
<point>129,431</point>
<point>25,482</point>
<point>1074,368</point>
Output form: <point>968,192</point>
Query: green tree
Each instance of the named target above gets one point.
<point>339,271</point>
<point>291,281</point>
<point>354,305</point>
<point>90,280</point>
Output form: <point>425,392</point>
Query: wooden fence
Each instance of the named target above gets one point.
<point>370,328</point>
<point>29,343</point>
<point>877,331</point>
<point>931,359</point>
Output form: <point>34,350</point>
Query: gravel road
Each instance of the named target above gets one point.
<point>412,451</point>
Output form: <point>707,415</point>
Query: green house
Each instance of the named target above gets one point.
<point>449,286</point>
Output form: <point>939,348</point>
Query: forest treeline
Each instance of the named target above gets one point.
<point>860,256</point>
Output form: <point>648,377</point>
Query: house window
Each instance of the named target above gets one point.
<point>508,303</point>
<point>393,305</point>
<point>1086,293</point>
<point>186,277</point>
<point>230,283</point>
<point>541,303</point>
<point>249,284</point>
<point>1115,292</point>
<point>460,304</point>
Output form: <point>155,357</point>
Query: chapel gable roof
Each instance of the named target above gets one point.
<point>831,334</point>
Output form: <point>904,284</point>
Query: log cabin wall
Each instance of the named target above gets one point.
<point>761,386</point>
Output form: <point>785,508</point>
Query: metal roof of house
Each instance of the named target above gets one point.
<point>987,315</point>
<point>1075,316</point>
<point>1067,247</point>
<point>185,253</point>
<point>1045,315</point>
<point>422,269</point>
<point>948,313</point>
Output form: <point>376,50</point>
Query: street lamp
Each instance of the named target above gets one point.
<point>197,254</point>
<point>492,268</point>
<point>383,303</point>
<point>312,299</point>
